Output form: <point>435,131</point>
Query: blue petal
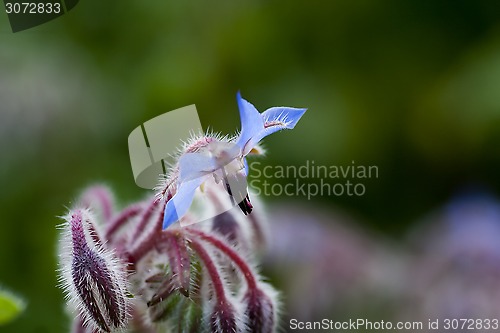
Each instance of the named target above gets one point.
<point>179,204</point>
<point>194,165</point>
<point>281,113</point>
<point>251,121</point>
<point>274,119</point>
<point>247,169</point>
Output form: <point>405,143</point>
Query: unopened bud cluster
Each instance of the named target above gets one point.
<point>122,272</point>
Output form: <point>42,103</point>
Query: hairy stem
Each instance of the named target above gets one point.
<point>217,283</point>
<point>145,219</point>
<point>121,219</point>
<point>228,251</point>
<point>149,242</point>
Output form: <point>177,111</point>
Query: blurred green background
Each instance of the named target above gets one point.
<point>410,86</point>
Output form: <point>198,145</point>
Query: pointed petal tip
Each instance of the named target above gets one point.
<point>295,114</point>
<point>179,204</point>
<point>170,216</point>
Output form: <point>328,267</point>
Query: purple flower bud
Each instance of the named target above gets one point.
<point>261,309</point>
<point>226,225</point>
<point>92,277</point>
<point>224,318</point>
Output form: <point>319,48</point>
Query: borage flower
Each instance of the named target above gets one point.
<point>223,159</point>
<point>197,279</point>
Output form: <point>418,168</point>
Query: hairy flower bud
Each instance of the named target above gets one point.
<point>261,308</point>
<point>226,225</point>
<point>92,277</point>
<point>224,318</point>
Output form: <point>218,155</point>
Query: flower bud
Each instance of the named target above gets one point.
<point>261,308</point>
<point>226,225</point>
<point>92,277</point>
<point>224,318</point>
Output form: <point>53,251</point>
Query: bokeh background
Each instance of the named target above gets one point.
<point>412,87</point>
